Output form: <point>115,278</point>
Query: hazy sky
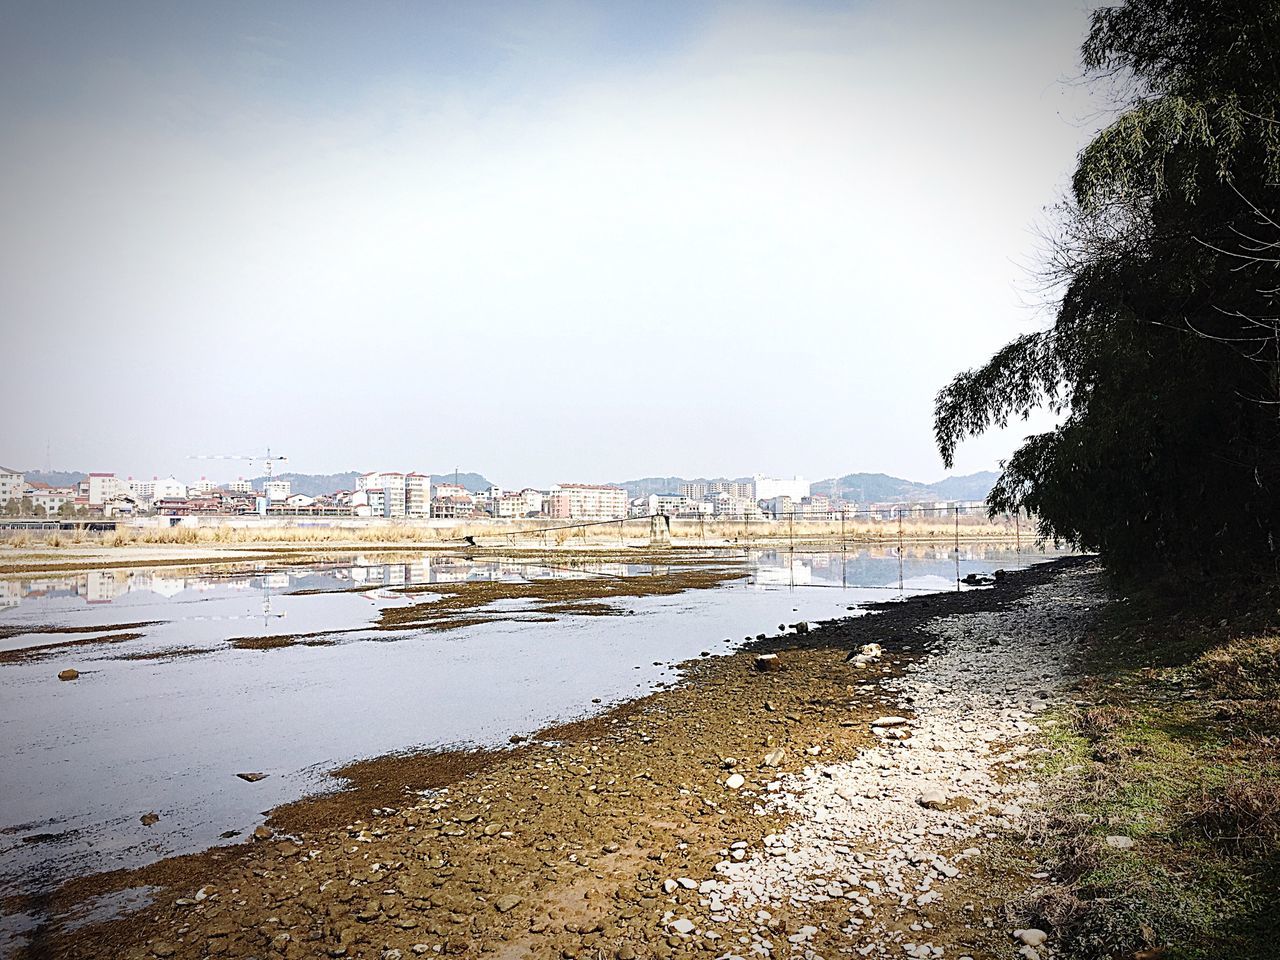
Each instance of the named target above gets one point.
<point>545,241</point>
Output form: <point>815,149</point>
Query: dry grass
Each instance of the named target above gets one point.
<point>1242,817</point>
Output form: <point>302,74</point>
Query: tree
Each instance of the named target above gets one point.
<point>1163,357</point>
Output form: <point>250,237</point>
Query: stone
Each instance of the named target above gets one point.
<point>149,818</point>
<point>162,948</point>
<point>688,883</point>
<point>887,723</point>
<point>252,777</point>
<point>933,799</point>
<point>1031,937</point>
<point>68,674</point>
<point>625,952</point>
<point>774,758</point>
<point>767,663</point>
<point>1119,843</point>
<point>735,781</point>
<point>802,627</point>
<point>263,832</point>
<point>506,902</point>
<point>684,925</point>
<point>670,886</point>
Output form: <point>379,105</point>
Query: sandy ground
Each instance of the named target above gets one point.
<point>874,806</point>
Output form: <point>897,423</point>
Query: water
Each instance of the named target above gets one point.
<point>162,722</point>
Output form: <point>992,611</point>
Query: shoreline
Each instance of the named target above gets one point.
<point>90,556</point>
<point>577,787</point>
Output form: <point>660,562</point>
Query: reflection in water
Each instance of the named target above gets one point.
<point>139,731</point>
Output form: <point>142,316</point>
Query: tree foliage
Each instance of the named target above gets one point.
<point>1164,356</point>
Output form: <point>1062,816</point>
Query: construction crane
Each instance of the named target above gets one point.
<point>267,460</point>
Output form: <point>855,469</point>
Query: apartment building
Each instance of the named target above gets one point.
<point>391,486</point>
<point>586,501</point>
<point>277,491</point>
<point>102,488</point>
<point>47,499</point>
<point>240,485</point>
<point>766,488</point>
<point>12,485</point>
<point>417,495</point>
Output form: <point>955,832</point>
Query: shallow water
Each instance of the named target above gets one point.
<point>84,760</point>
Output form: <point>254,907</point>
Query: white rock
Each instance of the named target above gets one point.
<point>735,781</point>
<point>683,925</point>
<point>1031,937</point>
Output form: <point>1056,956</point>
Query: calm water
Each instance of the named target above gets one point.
<point>84,760</point>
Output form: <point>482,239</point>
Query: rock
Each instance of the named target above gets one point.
<point>774,758</point>
<point>802,627</point>
<point>162,948</point>
<point>149,818</point>
<point>68,674</point>
<point>688,883</point>
<point>735,780</point>
<point>886,723</point>
<point>263,832</point>
<point>252,777</point>
<point>933,799</point>
<point>506,902</point>
<point>931,896</point>
<point>1030,937</point>
<point>1119,843</point>
<point>670,886</point>
<point>625,952</point>
<point>683,925</point>
<point>767,663</point>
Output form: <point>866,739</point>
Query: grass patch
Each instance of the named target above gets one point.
<point>1173,747</point>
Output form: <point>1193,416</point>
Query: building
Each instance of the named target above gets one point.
<point>278,491</point>
<point>49,500</point>
<point>142,489</point>
<point>387,488</point>
<point>766,488</point>
<point>240,485</point>
<point>102,488</point>
<point>170,488</point>
<point>586,501</point>
<point>12,485</point>
<point>733,508</point>
<point>203,485</point>
<point>513,505</point>
<point>701,489</point>
<point>417,495</point>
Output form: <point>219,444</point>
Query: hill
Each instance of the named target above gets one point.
<point>882,488</point>
<point>55,478</point>
<point>860,487</point>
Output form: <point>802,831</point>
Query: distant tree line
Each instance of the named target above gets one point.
<point>1164,355</point>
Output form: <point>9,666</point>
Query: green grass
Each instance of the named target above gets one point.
<point>1180,751</point>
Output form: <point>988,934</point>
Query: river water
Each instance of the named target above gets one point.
<point>163,719</point>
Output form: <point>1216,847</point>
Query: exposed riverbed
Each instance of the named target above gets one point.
<point>188,678</point>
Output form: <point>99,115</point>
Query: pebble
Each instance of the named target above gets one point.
<point>735,780</point>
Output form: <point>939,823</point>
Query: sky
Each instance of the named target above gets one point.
<point>549,242</point>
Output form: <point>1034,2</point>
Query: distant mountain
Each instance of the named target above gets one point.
<point>55,478</point>
<point>882,488</point>
<point>315,484</point>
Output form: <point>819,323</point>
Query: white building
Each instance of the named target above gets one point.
<point>203,485</point>
<point>12,485</point>
<point>50,499</point>
<point>240,485</point>
<point>417,495</point>
<point>392,487</point>
<point>142,489</point>
<point>586,501</point>
<point>104,488</point>
<point>766,488</point>
<point>278,491</point>
<point>170,488</point>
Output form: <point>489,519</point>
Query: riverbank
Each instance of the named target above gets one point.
<point>153,538</point>
<point>909,783</point>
